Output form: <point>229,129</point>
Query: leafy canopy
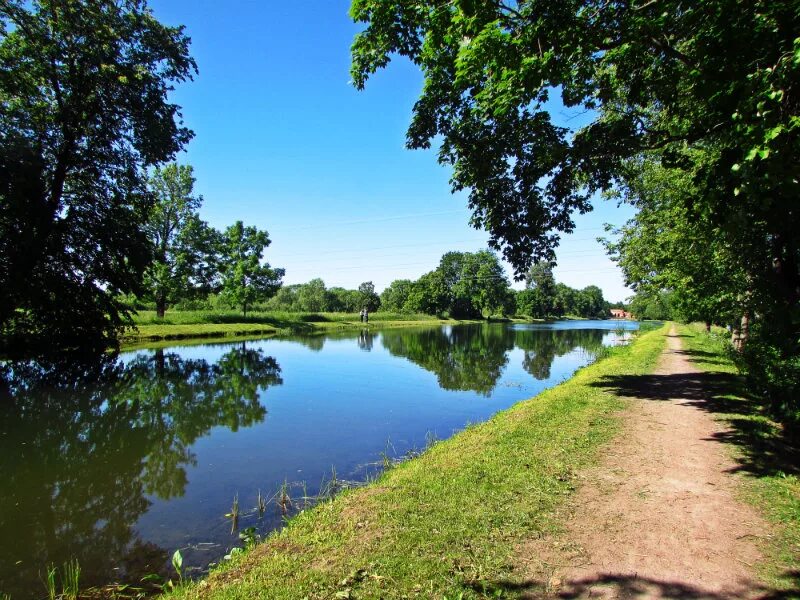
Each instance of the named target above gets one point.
<point>245,279</point>
<point>185,246</point>
<point>659,75</point>
<point>84,110</point>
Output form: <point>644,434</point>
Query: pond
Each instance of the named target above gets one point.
<point>120,464</point>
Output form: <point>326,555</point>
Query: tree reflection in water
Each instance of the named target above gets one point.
<point>473,358</point>
<point>82,445</point>
<point>542,346</point>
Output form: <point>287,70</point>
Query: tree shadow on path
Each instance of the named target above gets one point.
<point>759,451</point>
<point>609,585</point>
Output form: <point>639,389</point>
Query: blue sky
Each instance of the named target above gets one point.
<point>284,142</point>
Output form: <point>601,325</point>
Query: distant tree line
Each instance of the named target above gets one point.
<point>465,285</point>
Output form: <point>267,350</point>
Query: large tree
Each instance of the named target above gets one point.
<point>670,246</point>
<point>481,288</point>
<point>538,299</point>
<point>709,88</point>
<point>184,245</point>
<point>313,296</point>
<point>245,279</point>
<point>84,110</point>
<point>367,297</point>
<point>660,75</point>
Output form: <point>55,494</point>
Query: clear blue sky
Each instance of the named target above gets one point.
<point>284,142</point>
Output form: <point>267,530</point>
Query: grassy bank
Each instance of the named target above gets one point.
<point>768,460</point>
<point>446,524</point>
<point>178,325</point>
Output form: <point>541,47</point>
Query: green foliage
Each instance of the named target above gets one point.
<point>185,247</point>
<point>245,279</point>
<point>657,306</point>
<point>590,303</point>
<point>367,297</point>
<point>313,297</point>
<point>84,111</point>
<point>429,295</point>
<point>70,580</point>
<point>695,120</point>
<point>177,564</point>
<point>464,285</point>
<point>343,300</point>
<point>395,296</point>
<point>669,245</point>
<point>539,297</point>
<point>544,298</point>
<point>773,376</point>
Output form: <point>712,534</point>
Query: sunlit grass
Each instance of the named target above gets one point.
<point>177,325</point>
<point>447,523</point>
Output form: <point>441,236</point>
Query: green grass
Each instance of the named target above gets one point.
<point>448,523</point>
<point>191,317</point>
<point>178,325</point>
<point>767,460</point>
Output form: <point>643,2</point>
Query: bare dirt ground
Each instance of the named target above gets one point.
<point>658,518</point>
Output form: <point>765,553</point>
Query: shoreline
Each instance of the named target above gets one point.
<point>150,334</point>
<point>448,520</point>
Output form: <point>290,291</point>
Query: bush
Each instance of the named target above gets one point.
<point>775,378</point>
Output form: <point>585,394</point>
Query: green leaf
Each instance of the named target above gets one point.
<point>177,561</point>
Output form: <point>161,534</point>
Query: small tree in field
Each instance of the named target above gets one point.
<point>245,279</point>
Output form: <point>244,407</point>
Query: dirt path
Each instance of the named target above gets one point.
<point>658,517</point>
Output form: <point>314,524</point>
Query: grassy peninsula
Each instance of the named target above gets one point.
<point>179,325</point>
<point>446,524</point>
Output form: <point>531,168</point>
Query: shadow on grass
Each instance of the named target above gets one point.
<point>609,585</point>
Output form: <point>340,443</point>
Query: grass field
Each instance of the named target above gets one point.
<point>446,524</point>
<point>177,325</point>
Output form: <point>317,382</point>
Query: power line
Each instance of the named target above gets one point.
<point>374,220</point>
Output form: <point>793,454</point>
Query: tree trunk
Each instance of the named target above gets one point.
<point>708,326</point>
<point>161,306</point>
<point>160,363</point>
<point>740,334</point>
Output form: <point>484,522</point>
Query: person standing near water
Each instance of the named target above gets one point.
<point>361,315</point>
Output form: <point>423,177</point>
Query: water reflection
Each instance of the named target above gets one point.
<point>473,358</point>
<point>119,463</point>
<point>541,347</point>
<point>366,339</point>
<point>82,448</point>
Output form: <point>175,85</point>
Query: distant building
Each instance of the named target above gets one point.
<point>618,313</point>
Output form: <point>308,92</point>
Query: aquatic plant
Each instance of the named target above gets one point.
<point>284,500</point>
<point>249,537</point>
<point>261,504</point>
<point>177,564</point>
<point>70,579</point>
<point>50,582</point>
<point>234,514</point>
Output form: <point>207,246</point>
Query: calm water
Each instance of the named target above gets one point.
<point>122,464</point>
